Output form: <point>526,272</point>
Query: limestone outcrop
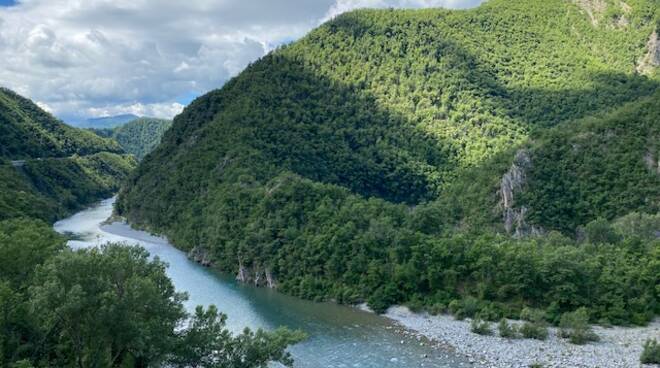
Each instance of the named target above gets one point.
<point>258,276</point>
<point>512,182</point>
<point>200,255</point>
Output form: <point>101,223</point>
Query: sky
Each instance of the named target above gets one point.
<point>90,58</point>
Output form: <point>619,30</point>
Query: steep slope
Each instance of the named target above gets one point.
<point>138,137</point>
<point>603,166</point>
<point>308,169</point>
<point>49,169</point>
<point>29,132</point>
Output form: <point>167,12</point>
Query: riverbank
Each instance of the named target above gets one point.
<point>618,347</point>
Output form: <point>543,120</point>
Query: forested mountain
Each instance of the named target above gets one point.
<point>431,157</point>
<point>139,136</point>
<point>49,169</point>
<point>27,131</point>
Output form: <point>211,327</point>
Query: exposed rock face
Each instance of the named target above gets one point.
<point>651,162</point>
<point>652,58</point>
<point>256,276</point>
<point>512,182</point>
<point>200,255</point>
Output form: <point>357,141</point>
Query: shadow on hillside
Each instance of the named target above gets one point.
<point>283,113</point>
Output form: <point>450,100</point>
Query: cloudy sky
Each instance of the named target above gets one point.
<point>91,58</point>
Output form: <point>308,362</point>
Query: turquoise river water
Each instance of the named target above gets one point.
<point>339,336</point>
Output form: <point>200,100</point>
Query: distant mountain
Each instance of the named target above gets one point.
<point>138,137</point>
<point>106,122</point>
<point>49,169</point>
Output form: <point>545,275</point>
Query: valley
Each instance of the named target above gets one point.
<point>342,184</point>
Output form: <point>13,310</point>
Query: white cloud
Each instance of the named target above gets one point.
<point>83,58</point>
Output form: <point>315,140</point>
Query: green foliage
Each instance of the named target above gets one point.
<point>109,307</point>
<point>637,224</point>
<point>383,298</point>
<point>206,343</point>
<point>465,308</point>
<point>600,231</point>
<point>535,326</point>
<point>585,172</point>
<point>65,168</point>
<point>532,330</point>
<point>137,137</point>
<point>364,161</point>
<point>51,188</point>
<point>506,330</point>
<point>27,131</point>
<point>651,352</point>
<point>575,326</point>
<point>480,326</point>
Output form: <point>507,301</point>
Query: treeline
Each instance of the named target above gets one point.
<point>52,188</point>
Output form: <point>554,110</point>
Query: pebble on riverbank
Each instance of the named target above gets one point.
<point>619,347</point>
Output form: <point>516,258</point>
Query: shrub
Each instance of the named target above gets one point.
<point>536,326</point>
<point>466,308</point>
<point>383,298</point>
<point>481,327</point>
<point>437,308</point>
<point>491,312</point>
<point>575,327</point>
<point>651,352</point>
<point>531,330</point>
<point>506,330</point>
<point>532,315</point>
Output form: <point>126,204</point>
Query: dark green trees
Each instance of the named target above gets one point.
<point>109,307</point>
<point>60,169</point>
<point>137,137</point>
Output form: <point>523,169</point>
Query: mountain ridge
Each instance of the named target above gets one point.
<point>50,169</point>
<point>336,164</point>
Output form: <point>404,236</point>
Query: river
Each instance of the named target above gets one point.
<point>339,336</point>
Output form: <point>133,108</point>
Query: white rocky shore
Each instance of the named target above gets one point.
<point>618,347</point>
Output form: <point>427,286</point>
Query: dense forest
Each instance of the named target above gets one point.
<point>27,131</point>
<point>137,137</point>
<point>480,160</point>
<point>110,306</point>
<point>49,169</point>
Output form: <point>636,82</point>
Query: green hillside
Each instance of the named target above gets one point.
<point>48,169</point>
<point>139,136</point>
<point>368,160</point>
<point>27,131</point>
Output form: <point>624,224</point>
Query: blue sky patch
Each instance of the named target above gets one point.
<point>8,2</point>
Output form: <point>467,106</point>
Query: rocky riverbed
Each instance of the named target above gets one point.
<point>618,347</point>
